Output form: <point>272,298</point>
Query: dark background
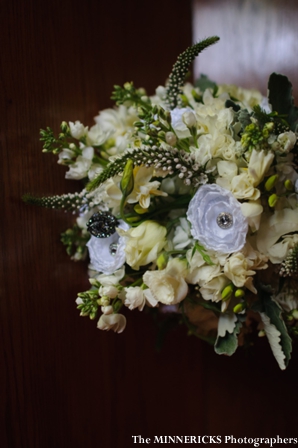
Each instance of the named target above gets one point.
<point>64,383</point>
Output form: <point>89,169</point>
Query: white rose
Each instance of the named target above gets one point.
<point>144,243</point>
<point>168,285</point>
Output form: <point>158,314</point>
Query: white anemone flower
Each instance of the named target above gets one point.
<point>217,220</point>
<point>108,254</point>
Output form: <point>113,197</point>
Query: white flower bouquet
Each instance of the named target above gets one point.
<point>189,205</point>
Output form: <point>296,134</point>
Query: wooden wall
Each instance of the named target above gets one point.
<point>64,383</point>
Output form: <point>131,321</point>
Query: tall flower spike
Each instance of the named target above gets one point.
<point>170,161</point>
<point>180,69</point>
<point>71,202</point>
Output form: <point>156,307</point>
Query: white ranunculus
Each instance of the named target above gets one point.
<point>102,256</point>
<point>115,322</point>
<point>168,285</point>
<point>204,212</point>
<point>144,243</point>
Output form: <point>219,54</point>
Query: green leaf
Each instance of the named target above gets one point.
<point>275,328</point>
<point>204,83</point>
<point>281,99</point>
<point>229,327</point>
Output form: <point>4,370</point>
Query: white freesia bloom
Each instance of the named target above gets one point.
<point>103,257</point>
<point>80,168</point>
<point>97,136</point>
<point>204,211</point>
<point>108,309</point>
<point>212,289</point>
<point>136,297</point>
<point>287,300</point>
<point>252,210</point>
<point>273,227</point>
<point>77,129</point>
<point>182,237</point>
<point>168,285</point>
<point>115,322</point>
<point>111,279</point>
<point>178,123</point>
<point>143,189</point>
<point>118,121</point>
<point>285,142</point>
<point>259,164</point>
<point>278,252</point>
<point>238,270</point>
<point>143,243</point>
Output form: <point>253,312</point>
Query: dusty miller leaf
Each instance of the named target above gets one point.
<point>229,326</point>
<point>275,328</point>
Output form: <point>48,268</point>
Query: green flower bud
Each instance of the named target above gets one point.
<point>127,181</point>
<point>138,124</point>
<point>239,293</point>
<point>289,185</point>
<point>239,307</point>
<point>64,127</point>
<point>272,200</point>
<point>227,292</point>
<point>140,210</point>
<point>270,182</point>
<point>162,134</point>
<point>295,314</point>
<point>128,86</point>
<point>162,260</point>
<point>132,219</point>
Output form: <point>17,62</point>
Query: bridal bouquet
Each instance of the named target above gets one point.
<point>188,205</point>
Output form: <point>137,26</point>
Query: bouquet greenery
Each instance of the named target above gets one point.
<point>188,204</point>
